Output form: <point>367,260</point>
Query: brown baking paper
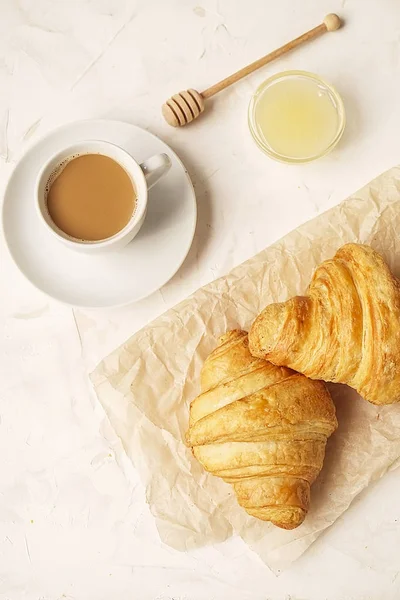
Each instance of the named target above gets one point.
<point>146,386</point>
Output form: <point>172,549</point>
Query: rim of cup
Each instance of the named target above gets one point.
<point>55,162</point>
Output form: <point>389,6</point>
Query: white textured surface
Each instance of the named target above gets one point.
<point>73,520</point>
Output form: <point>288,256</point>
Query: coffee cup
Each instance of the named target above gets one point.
<point>143,176</point>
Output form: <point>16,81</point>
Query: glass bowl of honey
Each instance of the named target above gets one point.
<point>296,117</point>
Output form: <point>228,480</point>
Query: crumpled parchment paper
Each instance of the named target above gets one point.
<point>146,386</point>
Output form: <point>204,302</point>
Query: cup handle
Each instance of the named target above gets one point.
<point>155,167</point>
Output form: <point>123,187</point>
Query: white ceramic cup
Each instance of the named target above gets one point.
<point>143,177</point>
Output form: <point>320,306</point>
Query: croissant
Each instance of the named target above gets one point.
<point>346,329</point>
<point>261,428</point>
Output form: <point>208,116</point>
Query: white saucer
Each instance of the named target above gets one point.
<point>113,279</point>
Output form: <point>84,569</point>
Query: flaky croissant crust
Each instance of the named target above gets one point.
<point>345,329</point>
<point>261,428</point>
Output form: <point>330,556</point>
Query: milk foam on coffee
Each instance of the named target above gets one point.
<point>90,197</point>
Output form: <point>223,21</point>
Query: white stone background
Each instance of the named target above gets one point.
<point>73,519</point>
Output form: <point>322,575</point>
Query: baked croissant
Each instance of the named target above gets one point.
<point>261,428</point>
<point>345,329</point>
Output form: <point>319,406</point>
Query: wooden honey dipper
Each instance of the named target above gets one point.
<point>186,106</point>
